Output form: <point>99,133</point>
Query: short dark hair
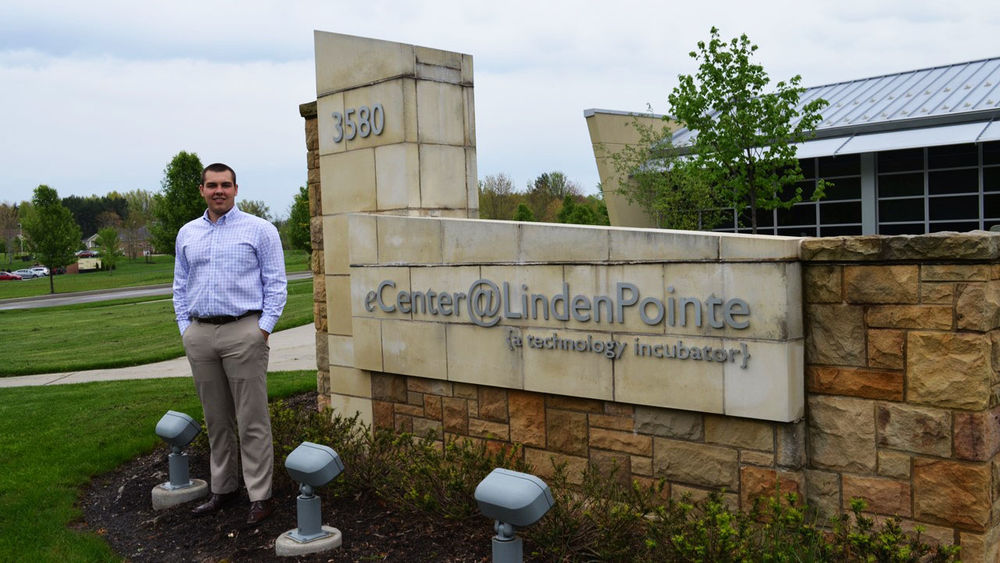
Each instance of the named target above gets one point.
<point>217,167</point>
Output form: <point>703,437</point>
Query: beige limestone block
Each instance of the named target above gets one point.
<point>427,72</point>
<point>566,431</point>
<point>855,382</point>
<point>362,118</point>
<point>477,242</point>
<point>823,493</point>
<point>895,465</point>
<point>774,292</point>
<point>347,406</point>
<point>527,418</point>
<point>700,281</point>
<point>696,464</point>
<point>440,113</point>
<point>952,493</point>
<point>338,304</point>
<point>977,306</point>
<point>468,95</point>
<point>363,239</point>
<point>771,387</point>
<point>367,343</point>
<point>409,240</point>
<point>443,181</point>
<point>672,383</point>
<point>341,350</point>
<point>823,283</point>
<point>615,440</point>
<point>836,335</point>
<point>481,356</point>
<point>924,317</point>
<point>669,423</point>
<point>658,245</point>
<point>734,246</point>
<point>345,61</point>
<point>437,57</point>
<point>739,432</point>
<point>336,250</point>
<point>842,434</point>
<point>977,434</point>
<point>937,293</point>
<point>955,272</point>
<point>350,381</point>
<point>397,176</point>
<point>367,283</point>
<point>885,348</point>
<point>914,429</point>
<point>546,242</point>
<point>348,181</point>
<point>882,284</point>
<point>588,281</point>
<point>882,496</point>
<point>471,184</point>
<point>414,348</point>
<point>574,370</point>
<point>648,280</point>
<point>325,128</point>
<point>546,282</point>
<point>948,370</point>
<point>438,287</point>
<point>544,462</point>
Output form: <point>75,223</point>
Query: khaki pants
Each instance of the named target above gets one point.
<point>229,364</point>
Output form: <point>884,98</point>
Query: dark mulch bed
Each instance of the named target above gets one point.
<point>117,507</point>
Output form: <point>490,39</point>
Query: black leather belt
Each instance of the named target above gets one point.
<point>224,319</point>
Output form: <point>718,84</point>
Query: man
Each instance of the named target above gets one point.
<point>229,290</point>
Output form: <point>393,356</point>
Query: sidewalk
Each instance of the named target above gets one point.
<point>292,349</point>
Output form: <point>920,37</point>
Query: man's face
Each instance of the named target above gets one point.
<point>219,192</point>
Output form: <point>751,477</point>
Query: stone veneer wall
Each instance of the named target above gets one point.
<point>902,376</point>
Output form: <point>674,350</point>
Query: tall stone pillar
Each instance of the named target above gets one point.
<point>396,134</point>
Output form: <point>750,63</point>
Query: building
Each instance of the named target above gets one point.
<point>908,153</point>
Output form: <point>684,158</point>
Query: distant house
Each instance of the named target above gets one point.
<point>908,153</point>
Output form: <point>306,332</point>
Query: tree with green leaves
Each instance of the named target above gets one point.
<point>297,229</point>
<point>523,213</point>
<point>109,243</point>
<point>52,234</point>
<point>137,217</point>
<point>179,200</point>
<point>744,147</point>
<point>674,197</point>
<point>9,229</point>
<point>497,198</point>
<point>255,207</point>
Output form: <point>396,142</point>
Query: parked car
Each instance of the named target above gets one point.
<point>87,253</point>
<point>9,276</point>
<point>27,274</point>
<point>41,271</point>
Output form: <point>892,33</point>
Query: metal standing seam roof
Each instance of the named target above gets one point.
<point>919,99</point>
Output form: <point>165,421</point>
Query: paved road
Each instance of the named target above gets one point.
<point>101,295</point>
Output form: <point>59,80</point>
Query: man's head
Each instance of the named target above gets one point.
<point>218,187</point>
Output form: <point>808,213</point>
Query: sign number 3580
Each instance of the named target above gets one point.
<point>370,121</point>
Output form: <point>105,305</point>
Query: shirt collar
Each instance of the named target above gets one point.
<point>228,216</point>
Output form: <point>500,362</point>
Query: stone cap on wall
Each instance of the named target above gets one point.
<point>972,246</point>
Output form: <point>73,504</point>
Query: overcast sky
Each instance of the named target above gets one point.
<point>99,95</point>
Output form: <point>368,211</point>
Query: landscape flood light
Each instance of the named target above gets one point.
<point>311,465</point>
<point>514,500</point>
<point>177,430</point>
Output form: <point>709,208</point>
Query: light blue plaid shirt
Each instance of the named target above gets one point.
<point>228,268</point>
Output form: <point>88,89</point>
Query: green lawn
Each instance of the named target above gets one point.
<point>124,332</point>
<point>54,439</point>
<point>160,270</point>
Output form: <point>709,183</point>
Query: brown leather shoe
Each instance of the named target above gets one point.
<point>259,510</point>
<point>214,503</point>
